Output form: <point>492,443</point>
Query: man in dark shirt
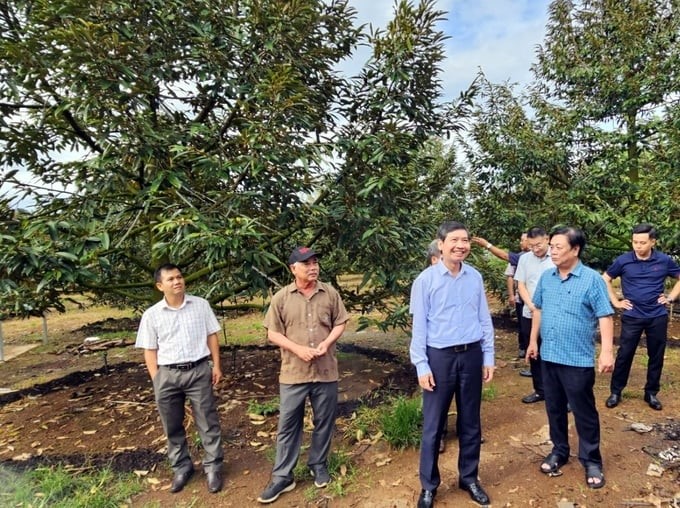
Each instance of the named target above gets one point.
<point>643,272</point>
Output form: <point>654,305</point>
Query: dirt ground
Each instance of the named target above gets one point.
<point>92,409</point>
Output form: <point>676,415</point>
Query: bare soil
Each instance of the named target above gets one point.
<point>95,409</point>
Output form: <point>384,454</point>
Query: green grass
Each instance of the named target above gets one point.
<point>489,392</point>
<point>266,408</point>
<point>399,422</point>
<point>56,487</point>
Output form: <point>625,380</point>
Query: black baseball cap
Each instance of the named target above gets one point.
<point>301,254</point>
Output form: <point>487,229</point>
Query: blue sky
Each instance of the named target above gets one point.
<point>497,36</point>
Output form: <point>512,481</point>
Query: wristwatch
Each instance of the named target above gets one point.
<point>489,245</point>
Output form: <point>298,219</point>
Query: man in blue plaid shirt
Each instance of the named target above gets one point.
<point>571,300</point>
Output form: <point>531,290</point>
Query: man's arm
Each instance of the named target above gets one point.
<point>333,336</point>
<point>532,349</point>
<point>524,295</point>
<point>606,360</point>
<point>672,296</point>
<point>305,353</point>
<point>214,347</point>
<point>510,281</point>
<point>151,360</point>
<point>499,253</point>
<point>613,297</point>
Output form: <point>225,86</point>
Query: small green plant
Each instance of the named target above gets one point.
<point>267,408</point>
<point>364,421</point>
<point>56,487</point>
<point>489,392</point>
<point>401,423</point>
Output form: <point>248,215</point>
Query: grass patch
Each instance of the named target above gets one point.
<point>489,392</point>
<point>56,487</point>
<point>399,422</point>
<point>267,408</point>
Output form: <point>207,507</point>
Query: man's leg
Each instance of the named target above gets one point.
<point>578,383</point>
<point>289,436</point>
<point>199,391</point>
<point>656,334</point>
<point>631,330</point>
<point>435,409</point>
<point>170,401</point>
<point>324,399</point>
<point>522,334</point>
<point>556,408</point>
<point>468,366</point>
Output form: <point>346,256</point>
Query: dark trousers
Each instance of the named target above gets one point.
<point>172,388</point>
<point>522,334</point>
<point>456,373</point>
<point>324,400</point>
<point>574,385</point>
<point>656,330</point>
<point>534,364</point>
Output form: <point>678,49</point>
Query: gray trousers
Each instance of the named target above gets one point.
<point>172,387</point>
<point>324,400</point>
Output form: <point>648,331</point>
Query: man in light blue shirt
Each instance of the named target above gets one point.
<point>452,348</point>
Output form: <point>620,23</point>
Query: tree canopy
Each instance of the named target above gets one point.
<point>217,134</point>
<point>591,141</point>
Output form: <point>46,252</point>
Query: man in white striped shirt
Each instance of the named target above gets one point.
<point>181,352</point>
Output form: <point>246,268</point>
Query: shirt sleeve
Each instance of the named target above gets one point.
<point>419,308</point>
<point>488,348</point>
<point>147,337</point>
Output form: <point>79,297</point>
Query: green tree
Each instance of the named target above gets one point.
<point>589,142</point>
<point>218,134</point>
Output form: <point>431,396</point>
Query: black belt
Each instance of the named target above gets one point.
<point>464,347</point>
<point>186,365</point>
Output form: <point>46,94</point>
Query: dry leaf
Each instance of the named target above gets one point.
<point>153,481</point>
<point>141,473</point>
<point>89,432</point>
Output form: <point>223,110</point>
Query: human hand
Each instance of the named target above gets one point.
<point>511,301</point>
<point>532,352</point>
<point>216,374</point>
<point>623,304</point>
<point>479,241</point>
<point>605,362</point>
<point>426,382</point>
<point>306,353</point>
<point>487,373</point>
<point>322,348</point>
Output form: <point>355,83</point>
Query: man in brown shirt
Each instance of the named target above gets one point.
<point>304,319</point>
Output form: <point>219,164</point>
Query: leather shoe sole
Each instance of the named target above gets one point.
<point>214,482</point>
<point>426,499</point>
<point>653,402</point>
<point>180,480</point>
<point>476,493</point>
<point>613,400</point>
<point>534,397</point>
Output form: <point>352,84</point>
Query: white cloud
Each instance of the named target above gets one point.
<point>497,36</point>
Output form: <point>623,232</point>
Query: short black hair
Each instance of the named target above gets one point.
<point>645,228</point>
<point>575,237</point>
<point>448,226</point>
<point>536,232</point>
<point>165,267</point>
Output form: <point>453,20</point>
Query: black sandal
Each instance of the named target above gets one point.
<point>554,463</point>
<point>594,471</point>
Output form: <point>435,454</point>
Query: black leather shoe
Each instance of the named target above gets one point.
<point>534,397</point>
<point>180,480</point>
<point>426,499</point>
<point>613,400</point>
<point>653,402</point>
<point>476,492</point>
<point>214,481</point>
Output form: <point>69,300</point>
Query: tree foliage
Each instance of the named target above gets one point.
<point>591,142</point>
<point>217,134</point>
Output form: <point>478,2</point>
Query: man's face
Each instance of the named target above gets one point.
<point>306,271</point>
<point>538,245</point>
<point>562,254</point>
<point>171,283</point>
<point>455,247</point>
<point>643,244</point>
<point>524,242</point>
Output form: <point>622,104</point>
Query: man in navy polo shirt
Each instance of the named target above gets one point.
<point>643,272</point>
